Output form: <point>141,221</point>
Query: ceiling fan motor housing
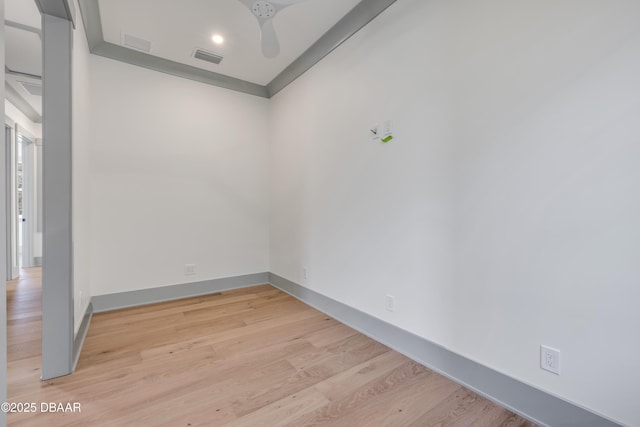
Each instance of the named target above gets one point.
<point>263,9</point>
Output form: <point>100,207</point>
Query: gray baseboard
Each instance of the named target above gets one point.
<point>81,335</point>
<point>120,300</point>
<point>529,402</point>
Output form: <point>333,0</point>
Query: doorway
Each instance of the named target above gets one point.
<point>39,33</point>
<point>29,240</point>
<point>10,148</point>
<point>23,172</point>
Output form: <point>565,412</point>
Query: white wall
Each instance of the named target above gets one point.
<point>81,189</point>
<point>505,213</point>
<point>3,237</point>
<point>178,176</point>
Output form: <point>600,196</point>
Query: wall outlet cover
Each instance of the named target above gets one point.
<point>550,359</point>
<point>189,269</point>
<point>389,302</point>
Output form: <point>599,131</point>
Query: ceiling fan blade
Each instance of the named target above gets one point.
<point>286,2</point>
<point>269,39</point>
<point>265,11</point>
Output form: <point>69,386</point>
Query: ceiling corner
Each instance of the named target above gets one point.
<point>363,13</point>
<point>59,8</point>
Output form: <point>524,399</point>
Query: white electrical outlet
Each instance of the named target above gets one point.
<point>389,301</point>
<point>189,269</point>
<point>550,359</point>
<point>305,273</point>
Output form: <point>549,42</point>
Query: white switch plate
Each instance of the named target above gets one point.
<point>550,359</point>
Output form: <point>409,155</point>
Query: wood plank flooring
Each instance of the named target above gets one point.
<point>250,357</point>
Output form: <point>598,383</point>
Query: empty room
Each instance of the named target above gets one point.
<point>320,213</point>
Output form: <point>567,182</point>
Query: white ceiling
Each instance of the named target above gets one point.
<point>23,51</point>
<point>17,82</point>
<point>176,27</point>
<point>23,11</point>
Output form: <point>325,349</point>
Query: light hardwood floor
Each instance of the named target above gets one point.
<point>250,357</point>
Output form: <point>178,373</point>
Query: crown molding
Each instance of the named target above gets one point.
<point>358,17</point>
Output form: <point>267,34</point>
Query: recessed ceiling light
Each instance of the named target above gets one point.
<point>217,39</point>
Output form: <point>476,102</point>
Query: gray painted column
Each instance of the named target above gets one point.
<point>57,276</point>
<point>60,8</point>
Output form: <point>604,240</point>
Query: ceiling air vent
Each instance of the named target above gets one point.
<point>207,56</point>
<point>33,88</point>
<point>136,43</point>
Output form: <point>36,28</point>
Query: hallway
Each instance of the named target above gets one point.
<point>24,322</point>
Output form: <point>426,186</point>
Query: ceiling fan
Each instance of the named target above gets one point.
<point>265,11</point>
